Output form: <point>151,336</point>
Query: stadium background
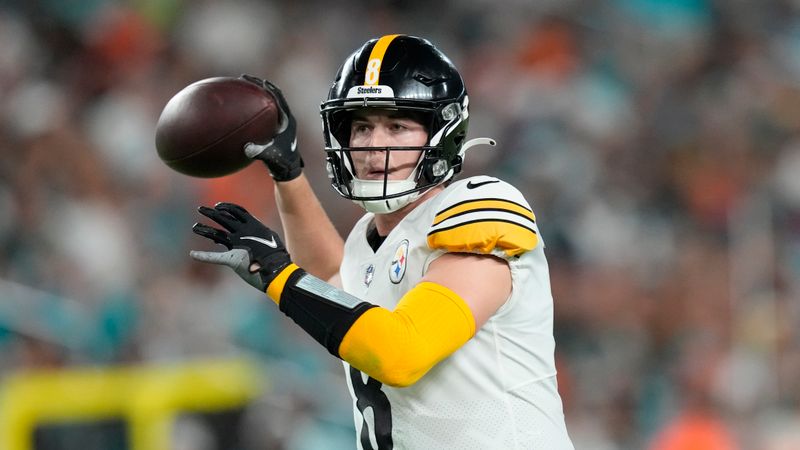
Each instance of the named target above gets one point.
<point>658,142</point>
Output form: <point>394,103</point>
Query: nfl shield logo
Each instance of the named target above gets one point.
<point>368,274</point>
<point>398,266</point>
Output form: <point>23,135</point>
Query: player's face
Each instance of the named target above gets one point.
<point>385,128</point>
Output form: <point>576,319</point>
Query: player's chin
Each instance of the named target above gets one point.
<point>376,175</point>
<point>392,175</point>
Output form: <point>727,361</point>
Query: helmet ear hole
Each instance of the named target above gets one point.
<point>435,170</point>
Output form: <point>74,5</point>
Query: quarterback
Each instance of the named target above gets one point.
<point>438,302</point>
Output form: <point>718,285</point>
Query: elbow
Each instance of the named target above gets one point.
<point>400,383</point>
<point>400,373</point>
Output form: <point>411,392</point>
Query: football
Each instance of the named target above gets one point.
<point>204,128</point>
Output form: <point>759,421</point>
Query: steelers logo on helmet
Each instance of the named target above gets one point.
<point>410,75</point>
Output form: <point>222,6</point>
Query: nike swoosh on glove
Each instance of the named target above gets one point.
<point>255,252</point>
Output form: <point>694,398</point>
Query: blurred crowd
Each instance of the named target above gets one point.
<point>657,140</point>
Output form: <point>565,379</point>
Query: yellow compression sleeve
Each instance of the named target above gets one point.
<point>398,347</point>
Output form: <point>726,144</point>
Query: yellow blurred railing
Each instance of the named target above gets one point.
<point>147,398</point>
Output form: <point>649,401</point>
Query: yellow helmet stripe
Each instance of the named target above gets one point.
<point>373,73</point>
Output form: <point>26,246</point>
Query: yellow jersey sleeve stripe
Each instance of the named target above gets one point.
<point>483,236</point>
<point>483,204</point>
<point>373,72</point>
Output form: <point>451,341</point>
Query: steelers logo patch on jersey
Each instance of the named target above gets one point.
<point>398,267</point>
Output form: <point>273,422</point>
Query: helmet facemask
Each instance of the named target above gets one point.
<point>433,167</point>
<point>408,75</point>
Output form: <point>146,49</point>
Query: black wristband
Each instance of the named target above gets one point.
<point>281,167</point>
<point>287,173</point>
<point>323,311</point>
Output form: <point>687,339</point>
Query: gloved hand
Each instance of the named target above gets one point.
<point>255,252</point>
<point>280,154</point>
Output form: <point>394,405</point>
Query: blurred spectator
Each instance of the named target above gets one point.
<point>659,143</point>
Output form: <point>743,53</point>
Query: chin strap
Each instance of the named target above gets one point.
<point>475,142</point>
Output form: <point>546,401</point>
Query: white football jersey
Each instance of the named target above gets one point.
<point>498,391</point>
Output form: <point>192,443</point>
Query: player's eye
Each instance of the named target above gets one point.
<point>359,128</point>
<point>398,126</point>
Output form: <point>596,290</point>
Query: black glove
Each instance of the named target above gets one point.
<point>280,154</point>
<point>255,252</point>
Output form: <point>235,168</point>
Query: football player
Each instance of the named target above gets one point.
<point>439,301</point>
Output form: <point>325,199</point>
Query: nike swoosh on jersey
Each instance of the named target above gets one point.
<point>268,243</point>
<point>471,185</point>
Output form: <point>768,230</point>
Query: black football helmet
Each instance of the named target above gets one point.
<point>411,75</point>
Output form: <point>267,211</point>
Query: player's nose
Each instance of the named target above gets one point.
<point>380,137</point>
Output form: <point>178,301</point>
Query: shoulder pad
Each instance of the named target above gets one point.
<point>483,215</point>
